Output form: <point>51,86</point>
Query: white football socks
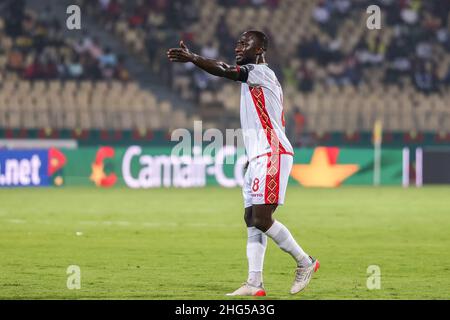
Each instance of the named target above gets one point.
<point>283,238</point>
<point>256,248</point>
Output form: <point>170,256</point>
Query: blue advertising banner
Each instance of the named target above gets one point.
<point>27,168</point>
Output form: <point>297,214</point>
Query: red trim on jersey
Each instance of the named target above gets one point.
<point>272,191</point>
<point>259,101</point>
<point>268,154</point>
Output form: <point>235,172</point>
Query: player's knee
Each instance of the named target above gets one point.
<point>248,220</point>
<point>260,223</point>
<point>248,217</point>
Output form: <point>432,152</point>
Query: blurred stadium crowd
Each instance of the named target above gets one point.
<point>35,48</point>
<point>337,75</point>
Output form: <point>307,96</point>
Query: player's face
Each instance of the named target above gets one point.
<point>245,50</point>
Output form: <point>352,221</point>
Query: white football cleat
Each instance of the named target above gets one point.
<point>249,290</point>
<point>303,275</point>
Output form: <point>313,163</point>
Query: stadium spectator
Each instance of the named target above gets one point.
<point>409,15</point>
<point>152,45</point>
<point>121,73</point>
<point>321,13</point>
<point>309,47</point>
<point>395,55</point>
<point>305,77</point>
<point>14,18</point>
<point>75,69</point>
<point>299,124</point>
<point>226,40</point>
<point>137,19</point>
<point>62,69</point>
<point>15,61</point>
<point>104,4</point>
<point>372,50</point>
<point>39,50</point>
<point>107,59</point>
<point>424,50</point>
<point>446,79</point>
<point>210,50</point>
<point>352,74</point>
<point>331,50</point>
<point>342,7</point>
<point>425,77</point>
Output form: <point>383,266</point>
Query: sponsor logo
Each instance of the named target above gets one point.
<point>22,170</point>
<point>56,162</point>
<point>323,170</point>
<point>257,195</point>
<point>98,175</point>
<point>179,171</point>
<point>27,168</point>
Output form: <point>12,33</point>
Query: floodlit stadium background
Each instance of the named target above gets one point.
<point>89,114</point>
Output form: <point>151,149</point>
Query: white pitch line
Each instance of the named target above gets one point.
<point>17,221</point>
<point>122,223</point>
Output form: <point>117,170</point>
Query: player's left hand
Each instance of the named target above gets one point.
<point>181,54</point>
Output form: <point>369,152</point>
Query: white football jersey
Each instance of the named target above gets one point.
<point>262,116</point>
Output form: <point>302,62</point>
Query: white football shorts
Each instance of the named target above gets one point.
<point>266,179</point>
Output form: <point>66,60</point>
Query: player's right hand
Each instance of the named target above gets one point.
<point>181,54</point>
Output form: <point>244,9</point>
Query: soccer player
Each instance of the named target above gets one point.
<point>269,152</point>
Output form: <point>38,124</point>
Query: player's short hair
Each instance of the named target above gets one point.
<point>262,38</point>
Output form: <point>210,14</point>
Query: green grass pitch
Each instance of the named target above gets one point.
<point>190,243</point>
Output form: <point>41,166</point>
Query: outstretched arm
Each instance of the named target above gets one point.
<point>214,67</point>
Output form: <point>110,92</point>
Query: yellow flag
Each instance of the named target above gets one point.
<point>378,132</point>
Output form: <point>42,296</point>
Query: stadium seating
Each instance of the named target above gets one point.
<point>85,105</point>
<point>61,101</point>
<point>328,107</point>
<point>330,99</point>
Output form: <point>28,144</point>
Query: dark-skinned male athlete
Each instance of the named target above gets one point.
<point>269,152</point>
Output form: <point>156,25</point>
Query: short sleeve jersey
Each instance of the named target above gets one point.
<point>261,112</point>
